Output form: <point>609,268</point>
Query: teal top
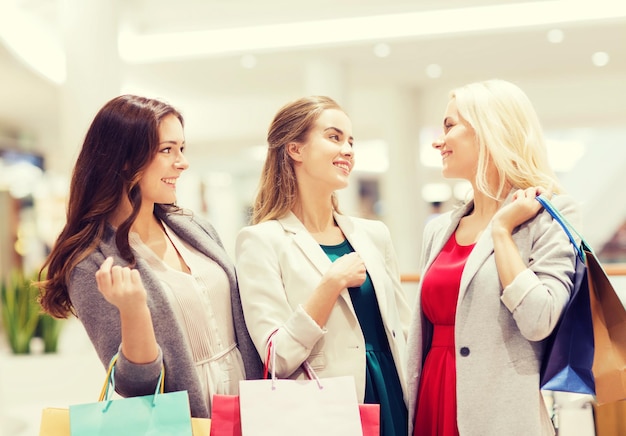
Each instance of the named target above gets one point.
<point>382,384</point>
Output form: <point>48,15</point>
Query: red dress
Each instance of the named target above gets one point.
<point>436,398</point>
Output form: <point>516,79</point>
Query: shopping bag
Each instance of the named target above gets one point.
<point>608,317</point>
<point>610,419</point>
<point>56,422</point>
<point>285,407</point>
<point>609,331</point>
<point>157,414</point>
<point>279,407</point>
<point>370,419</point>
<point>226,421</point>
<point>200,426</point>
<point>569,351</point>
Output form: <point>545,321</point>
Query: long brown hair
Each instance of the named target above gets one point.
<point>278,190</point>
<point>120,143</point>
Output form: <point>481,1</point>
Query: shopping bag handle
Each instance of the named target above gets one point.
<point>567,227</point>
<point>109,384</point>
<point>271,355</point>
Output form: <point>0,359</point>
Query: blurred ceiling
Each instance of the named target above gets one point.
<point>228,98</point>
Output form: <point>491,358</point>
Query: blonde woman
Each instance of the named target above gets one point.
<point>497,273</point>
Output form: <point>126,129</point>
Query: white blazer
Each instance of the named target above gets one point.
<point>279,264</point>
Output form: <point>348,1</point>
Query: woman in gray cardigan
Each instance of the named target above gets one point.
<point>148,280</point>
<point>497,273</point>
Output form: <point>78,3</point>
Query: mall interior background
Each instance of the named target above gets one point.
<point>229,65</point>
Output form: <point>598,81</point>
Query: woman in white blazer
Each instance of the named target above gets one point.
<point>497,273</point>
<point>323,286</point>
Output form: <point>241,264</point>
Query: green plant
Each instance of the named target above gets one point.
<point>49,330</point>
<point>20,311</point>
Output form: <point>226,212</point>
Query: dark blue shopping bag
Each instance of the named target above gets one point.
<point>569,351</point>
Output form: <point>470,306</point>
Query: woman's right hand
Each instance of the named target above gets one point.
<point>348,271</point>
<point>121,286</point>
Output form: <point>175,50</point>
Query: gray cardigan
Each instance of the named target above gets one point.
<point>499,333</point>
<point>102,322</point>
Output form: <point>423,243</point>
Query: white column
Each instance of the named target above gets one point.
<point>322,77</point>
<point>93,73</point>
<point>403,210</point>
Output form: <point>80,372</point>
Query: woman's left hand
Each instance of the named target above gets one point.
<point>522,207</point>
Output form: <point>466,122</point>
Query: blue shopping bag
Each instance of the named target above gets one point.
<point>567,363</point>
<point>154,415</point>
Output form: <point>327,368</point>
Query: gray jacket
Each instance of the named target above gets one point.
<point>102,322</point>
<point>499,333</point>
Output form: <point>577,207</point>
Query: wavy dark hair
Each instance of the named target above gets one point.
<point>120,143</point>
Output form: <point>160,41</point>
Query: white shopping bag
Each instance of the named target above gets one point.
<point>314,407</point>
<point>322,407</point>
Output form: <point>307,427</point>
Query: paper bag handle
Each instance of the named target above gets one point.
<point>567,227</point>
<point>109,384</point>
<point>271,355</point>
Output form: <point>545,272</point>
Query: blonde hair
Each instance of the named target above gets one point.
<point>508,133</point>
<point>278,190</point>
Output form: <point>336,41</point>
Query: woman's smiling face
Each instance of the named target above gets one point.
<point>326,156</point>
<point>158,183</point>
<point>457,145</point>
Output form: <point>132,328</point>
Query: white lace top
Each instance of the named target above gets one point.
<point>201,303</point>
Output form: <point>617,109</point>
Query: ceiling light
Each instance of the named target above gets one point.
<point>135,47</point>
<point>434,71</point>
<point>555,36</point>
<point>382,50</point>
<point>600,58</point>
<point>248,61</point>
